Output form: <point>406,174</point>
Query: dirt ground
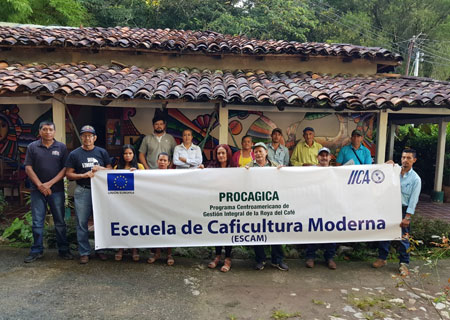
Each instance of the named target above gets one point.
<point>52,288</point>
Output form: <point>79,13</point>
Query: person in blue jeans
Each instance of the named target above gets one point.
<point>44,165</point>
<point>323,158</point>
<point>410,185</point>
<point>81,165</point>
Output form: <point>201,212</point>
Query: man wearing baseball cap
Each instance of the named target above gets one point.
<point>355,152</point>
<point>329,249</point>
<point>305,152</point>
<point>276,151</point>
<point>81,165</point>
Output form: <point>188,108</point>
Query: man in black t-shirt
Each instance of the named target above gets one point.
<point>44,165</point>
<point>81,165</point>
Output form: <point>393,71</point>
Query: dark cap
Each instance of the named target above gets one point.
<point>87,128</point>
<point>259,144</point>
<point>277,130</point>
<point>308,129</point>
<point>356,132</point>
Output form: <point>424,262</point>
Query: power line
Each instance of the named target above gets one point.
<point>370,34</point>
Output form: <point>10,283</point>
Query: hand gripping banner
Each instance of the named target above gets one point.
<point>238,206</point>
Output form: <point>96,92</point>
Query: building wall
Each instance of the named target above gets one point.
<point>273,63</point>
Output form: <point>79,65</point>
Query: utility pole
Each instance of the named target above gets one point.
<point>410,50</point>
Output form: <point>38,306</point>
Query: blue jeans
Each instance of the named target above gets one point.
<point>38,210</point>
<point>83,209</point>
<point>276,253</point>
<point>383,246</point>
<point>328,254</point>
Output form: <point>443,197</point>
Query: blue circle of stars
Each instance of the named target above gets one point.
<point>120,182</point>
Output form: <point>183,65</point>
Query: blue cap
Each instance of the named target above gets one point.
<point>308,129</point>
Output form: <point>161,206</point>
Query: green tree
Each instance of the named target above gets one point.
<point>389,24</point>
<point>43,12</point>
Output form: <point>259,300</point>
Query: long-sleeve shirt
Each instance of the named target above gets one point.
<point>410,185</point>
<point>193,156</point>
<point>305,154</point>
<point>280,156</point>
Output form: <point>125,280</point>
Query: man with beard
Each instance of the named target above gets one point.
<point>154,144</point>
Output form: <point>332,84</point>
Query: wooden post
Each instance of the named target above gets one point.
<point>439,172</point>
<point>381,136</point>
<point>223,123</point>
<point>59,118</point>
<point>393,127</point>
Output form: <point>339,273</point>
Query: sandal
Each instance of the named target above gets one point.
<point>226,265</point>
<point>153,258</point>
<point>214,263</point>
<point>170,260</point>
<point>135,255</point>
<point>119,255</point>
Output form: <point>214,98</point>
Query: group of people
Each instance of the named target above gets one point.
<point>48,162</point>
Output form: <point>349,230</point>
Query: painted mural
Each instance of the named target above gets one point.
<point>15,135</point>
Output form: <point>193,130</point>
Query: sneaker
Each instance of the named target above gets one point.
<point>84,259</point>
<point>309,263</point>
<point>66,255</point>
<point>33,257</point>
<point>331,264</point>
<point>281,266</point>
<point>403,269</point>
<point>379,263</point>
<point>260,265</point>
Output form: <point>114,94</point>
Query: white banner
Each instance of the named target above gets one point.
<point>236,206</point>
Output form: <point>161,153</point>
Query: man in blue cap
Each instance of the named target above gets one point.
<point>355,152</point>
<point>82,164</point>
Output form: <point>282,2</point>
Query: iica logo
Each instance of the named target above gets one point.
<point>364,176</point>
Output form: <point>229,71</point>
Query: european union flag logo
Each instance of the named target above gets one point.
<point>120,182</point>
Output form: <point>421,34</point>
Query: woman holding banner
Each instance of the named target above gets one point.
<point>128,161</point>
<point>222,156</point>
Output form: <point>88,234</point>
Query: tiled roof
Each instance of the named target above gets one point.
<point>179,41</point>
<point>248,87</point>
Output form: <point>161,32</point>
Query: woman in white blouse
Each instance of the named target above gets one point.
<point>187,155</point>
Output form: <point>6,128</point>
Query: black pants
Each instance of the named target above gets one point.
<point>227,251</point>
<point>277,253</point>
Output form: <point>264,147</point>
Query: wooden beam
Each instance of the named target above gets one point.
<point>381,137</point>
<point>59,118</point>
<point>439,171</point>
<point>22,100</point>
<point>223,124</point>
<point>429,111</point>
